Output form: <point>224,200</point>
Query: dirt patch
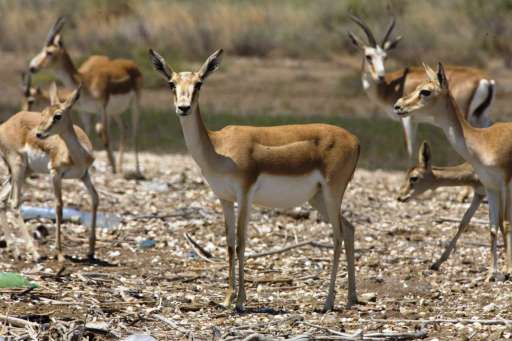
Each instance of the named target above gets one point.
<point>395,244</point>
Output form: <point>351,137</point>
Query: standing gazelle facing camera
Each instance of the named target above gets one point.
<point>47,143</point>
<point>281,167</point>
<point>488,150</point>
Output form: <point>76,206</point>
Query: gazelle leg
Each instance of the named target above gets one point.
<point>57,189</point>
<point>135,131</point>
<point>508,230</point>
<point>106,139</point>
<point>122,142</point>
<point>244,211</point>
<point>86,179</point>
<point>410,133</point>
<point>18,179</point>
<point>494,217</point>
<point>229,222</point>
<point>470,212</point>
<point>332,206</point>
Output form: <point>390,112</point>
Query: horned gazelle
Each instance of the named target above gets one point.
<point>48,143</point>
<point>471,88</point>
<point>281,166</point>
<point>109,88</point>
<point>424,177</point>
<point>488,150</point>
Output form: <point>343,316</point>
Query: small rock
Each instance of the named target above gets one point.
<point>369,297</point>
<point>147,244</point>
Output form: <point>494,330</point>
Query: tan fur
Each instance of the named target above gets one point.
<point>102,79</point>
<point>239,161</point>
<point>488,150</point>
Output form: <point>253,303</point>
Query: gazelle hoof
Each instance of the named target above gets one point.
<point>435,266</point>
<point>495,277</point>
<point>133,175</point>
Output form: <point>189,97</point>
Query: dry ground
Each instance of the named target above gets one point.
<point>395,245</point>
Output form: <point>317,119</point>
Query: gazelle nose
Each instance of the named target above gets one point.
<point>32,69</point>
<point>381,78</point>
<point>396,107</point>
<point>184,108</point>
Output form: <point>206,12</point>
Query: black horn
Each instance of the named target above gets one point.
<point>56,28</point>
<point>366,29</point>
<point>26,82</point>
<point>388,33</point>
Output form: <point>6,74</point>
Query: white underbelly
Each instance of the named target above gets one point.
<point>286,191</point>
<point>38,161</point>
<point>117,104</point>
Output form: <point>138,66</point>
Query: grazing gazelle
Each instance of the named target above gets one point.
<point>471,88</point>
<point>48,142</point>
<point>109,88</point>
<point>282,167</point>
<point>488,150</point>
<point>424,177</point>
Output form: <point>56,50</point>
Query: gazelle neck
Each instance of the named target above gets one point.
<point>455,126</point>
<point>454,176</point>
<point>77,152</point>
<point>67,72</point>
<point>199,144</point>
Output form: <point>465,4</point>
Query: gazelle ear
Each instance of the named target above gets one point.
<point>160,65</point>
<point>57,41</point>
<point>389,45</point>
<point>424,156</point>
<point>430,73</point>
<point>441,76</point>
<point>71,99</point>
<point>211,64</point>
<point>54,96</point>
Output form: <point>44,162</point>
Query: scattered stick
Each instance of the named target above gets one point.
<point>170,323</point>
<point>281,250</point>
<point>453,220</point>
<point>359,335</point>
<point>436,321</point>
<point>199,250</point>
<point>17,322</point>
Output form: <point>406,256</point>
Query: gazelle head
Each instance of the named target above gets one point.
<point>429,94</point>
<point>419,178</point>
<point>185,86</point>
<point>31,95</point>
<point>374,53</point>
<point>56,118</point>
<point>52,50</point>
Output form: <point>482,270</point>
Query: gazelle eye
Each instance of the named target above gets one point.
<point>413,179</point>
<point>425,93</point>
<point>369,59</point>
<point>57,117</point>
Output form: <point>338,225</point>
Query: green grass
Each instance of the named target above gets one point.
<point>382,143</point>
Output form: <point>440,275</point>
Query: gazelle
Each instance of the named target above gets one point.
<point>282,167</point>
<point>472,89</point>
<point>110,87</point>
<point>35,98</point>
<point>49,143</point>
<point>424,177</point>
<point>488,150</point>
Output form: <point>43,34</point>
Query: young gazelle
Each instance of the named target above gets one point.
<point>488,150</point>
<point>109,87</point>
<point>280,167</point>
<point>472,89</point>
<point>48,142</point>
<point>424,177</point>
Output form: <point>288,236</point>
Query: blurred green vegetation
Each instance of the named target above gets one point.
<point>382,143</point>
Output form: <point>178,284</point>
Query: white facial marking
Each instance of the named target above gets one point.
<point>375,60</point>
